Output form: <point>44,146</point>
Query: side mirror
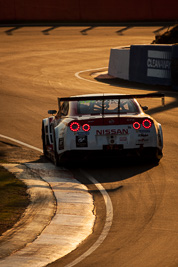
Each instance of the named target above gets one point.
<point>52,112</point>
<point>145,108</point>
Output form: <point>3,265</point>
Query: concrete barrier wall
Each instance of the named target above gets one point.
<point>119,62</point>
<point>150,64</point>
<point>174,67</point>
<point>88,10</point>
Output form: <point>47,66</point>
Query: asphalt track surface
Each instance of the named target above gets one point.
<point>39,64</point>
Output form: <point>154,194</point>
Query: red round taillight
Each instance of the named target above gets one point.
<point>146,124</point>
<point>86,127</point>
<point>74,126</point>
<point>136,125</point>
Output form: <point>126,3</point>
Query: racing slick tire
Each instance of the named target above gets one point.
<point>56,158</point>
<point>43,141</point>
<point>157,155</point>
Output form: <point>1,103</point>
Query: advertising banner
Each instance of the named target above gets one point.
<point>150,64</point>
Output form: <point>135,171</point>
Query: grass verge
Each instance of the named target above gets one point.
<point>14,199</point>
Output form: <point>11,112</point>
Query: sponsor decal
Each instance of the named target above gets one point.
<point>144,131</point>
<point>112,131</point>
<point>81,141</point>
<point>123,138</point>
<point>111,121</point>
<point>61,143</point>
<point>143,135</point>
<point>159,64</point>
<point>83,133</point>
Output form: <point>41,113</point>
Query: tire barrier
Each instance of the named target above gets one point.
<point>150,64</point>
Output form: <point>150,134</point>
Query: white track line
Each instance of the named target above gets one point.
<point>21,143</point>
<point>108,222</point>
<point>77,74</point>
<point>107,200</point>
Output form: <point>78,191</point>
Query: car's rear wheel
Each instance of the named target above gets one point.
<point>157,155</point>
<point>56,156</point>
<point>44,140</point>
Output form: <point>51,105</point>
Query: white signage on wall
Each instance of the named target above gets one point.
<point>159,64</point>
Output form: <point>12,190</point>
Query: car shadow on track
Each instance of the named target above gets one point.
<point>106,170</point>
<point>110,170</point>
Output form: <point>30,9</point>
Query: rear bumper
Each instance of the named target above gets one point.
<point>76,155</point>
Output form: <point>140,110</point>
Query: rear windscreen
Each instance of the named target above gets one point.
<point>110,106</point>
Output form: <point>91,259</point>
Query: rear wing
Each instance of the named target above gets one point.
<point>105,97</point>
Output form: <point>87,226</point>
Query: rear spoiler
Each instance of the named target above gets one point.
<point>105,97</point>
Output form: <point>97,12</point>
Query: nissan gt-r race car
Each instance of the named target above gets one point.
<point>101,125</point>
